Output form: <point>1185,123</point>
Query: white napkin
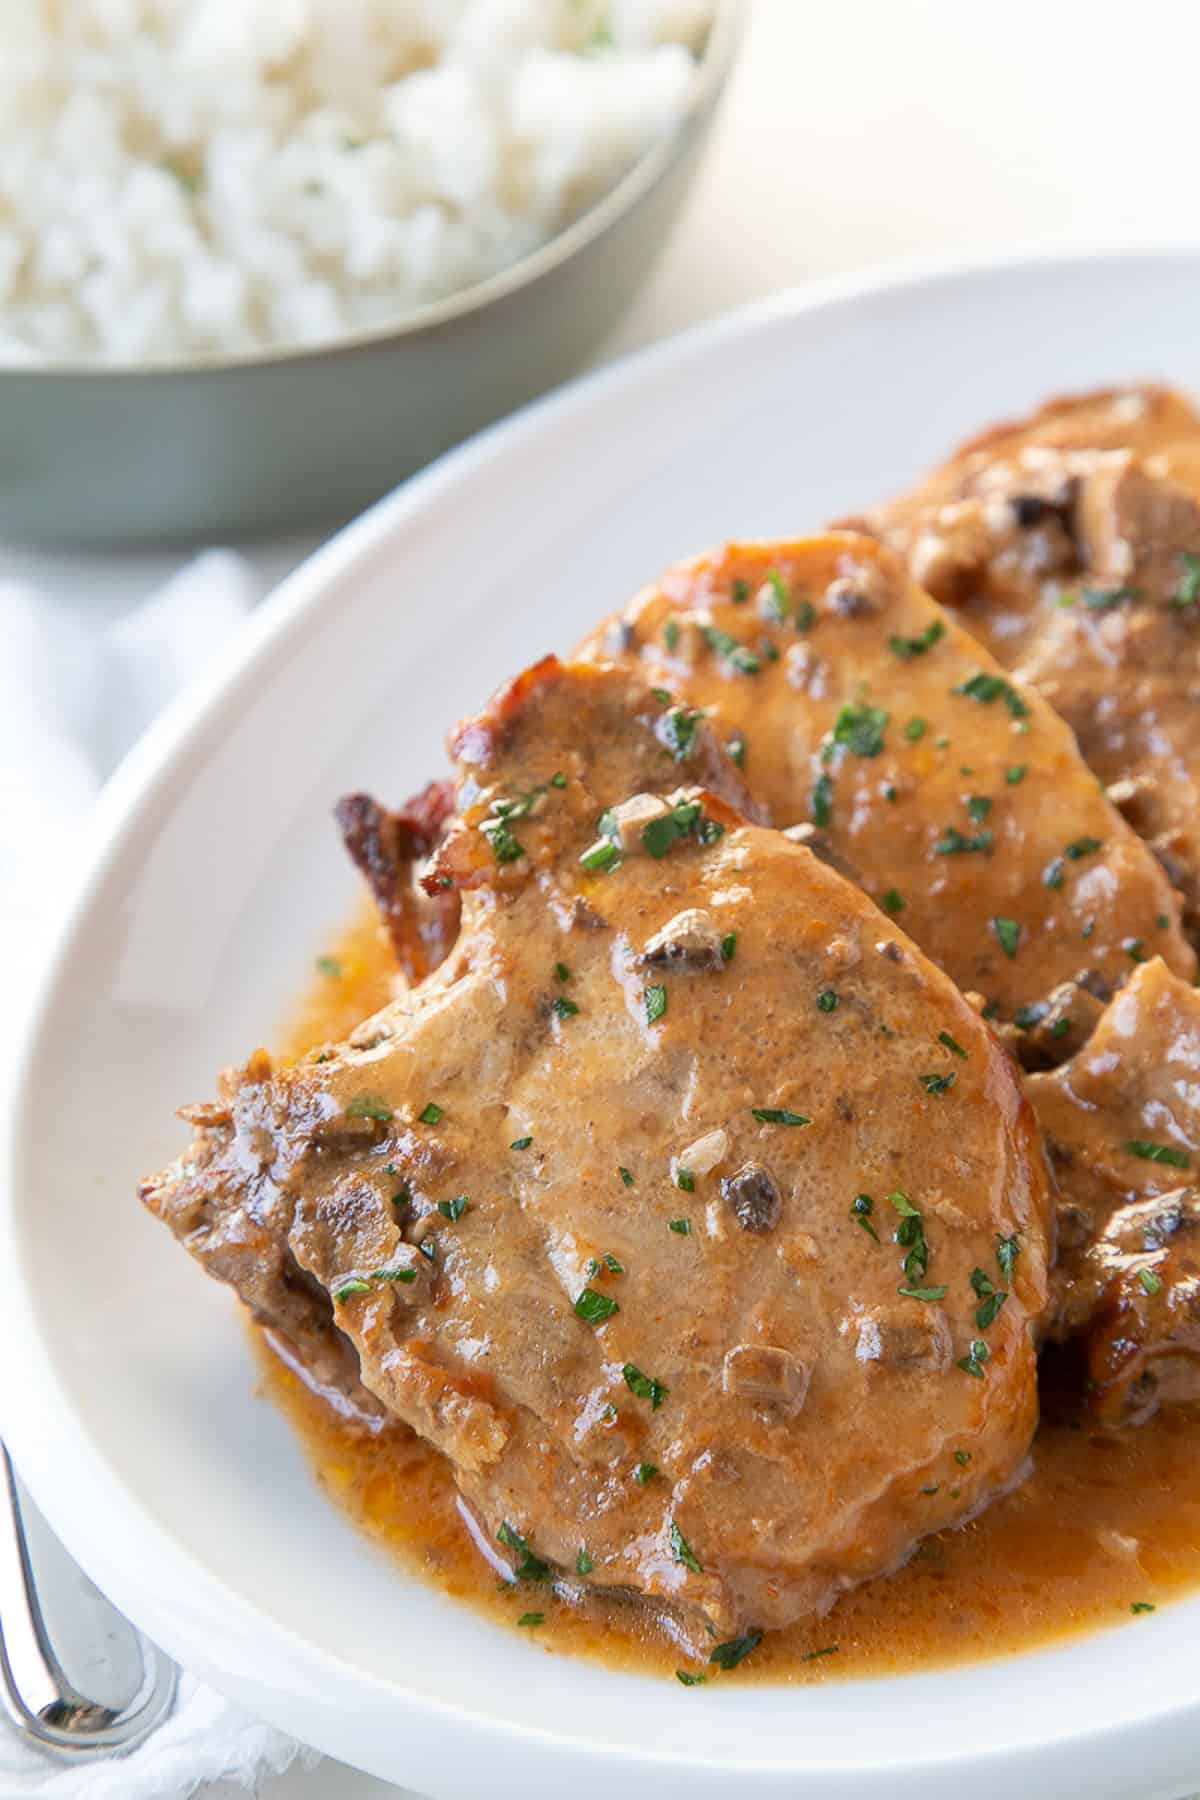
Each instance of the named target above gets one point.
<point>72,700</point>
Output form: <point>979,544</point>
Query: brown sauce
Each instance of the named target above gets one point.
<point>1105,1524</point>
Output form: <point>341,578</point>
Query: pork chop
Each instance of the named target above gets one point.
<point>858,707</point>
<point>1070,545</point>
<point>1122,1125</point>
<point>688,1209</point>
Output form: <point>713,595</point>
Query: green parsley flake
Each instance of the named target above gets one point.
<point>659,834</point>
<point>736,749</point>
<point>735,1650</point>
<point>690,1680</point>
<point>562,1008</point>
<point>1142,1606</point>
<point>454,1209</point>
<point>985,688</point>
<point>922,1293</point>
<point>728,946</point>
<point>369,1106</point>
<point>593,1308</point>
<point>821,800</point>
<point>685,1179</point>
<point>1007,1251</point>
<point>527,1566</point>
<point>1015,773</point>
<point>962,1458</point>
<point>1082,846</point>
<point>1188,591</point>
<point>520,1143</point>
<point>430,1113</point>
<point>1150,1281</point>
<point>826,1650</point>
<point>915,730</point>
<point>952,1044</point>
<point>1157,1153</point>
<point>827,1001</point>
<point>779,1115</point>
<point>677,730</point>
<point>354,1286</point>
<point>583,1562</point>
<point>861,1208</point>
<point>626,1177</point>
<point>682,1551</point>
<point>953,843</point>
<point>739,593</point>
<point>860,729</point>
<point>534,1618</point>
<point>908,647</point>
<point>738,656</point>
<point>655,998</point>
<point>329,965</point>
<point>938,1084</point>
<point>682,1226</point>
<point>644,1386</point>
<point>972,1363</point>
<point>1101,599</point>
<point>893,901</point>
<point>671,634</point>
<point>978,807</point>
<point>1008,934</point>
<point>645,1472</point>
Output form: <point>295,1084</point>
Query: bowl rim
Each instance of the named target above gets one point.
<point>714,66</point>
<point>1148,1737</point>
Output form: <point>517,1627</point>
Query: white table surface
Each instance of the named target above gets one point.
<point>857,131</point>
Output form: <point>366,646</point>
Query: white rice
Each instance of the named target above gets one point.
<point>197,177</point>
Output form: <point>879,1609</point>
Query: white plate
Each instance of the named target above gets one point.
<point>128,1392</point>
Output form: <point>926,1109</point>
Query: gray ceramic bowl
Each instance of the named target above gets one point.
<point>252,443</point>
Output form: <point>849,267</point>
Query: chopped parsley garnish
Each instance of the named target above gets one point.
<point>736,749</point>
<point>329,965</point>
<point>1135,948</point>
<point>985,688</point>
<point>354,1286</point>
<point>805,616</point>
<point>583,1562</point>
<point>962,1458</point>
<point>671,634</point>
<point>893,901</point>
<point>922,1293</point>
<point>454,1209</point>
<point>972,1363</point>
<point>685,1179</point>
<point>1162,921</point>
<point>677,730</point>
<point>1150,1281</point>
<point>978,807</point>
<point>907,647</point>
<point>601,858</point>
<point>520,1143</point>
<point>534,1618</point>
<point>1142,1606</point>
<point>644,1386</point>
<point>1008,934</point>
<point>645,1472</point>
<point>827,1001</point>
<point>562,1008</point>
<point>826,1650</point>
<point>938,1084</point>
<point>682,1226</point>
<point>688,1679</point>
<point>861,1208</point>
<point>1082,846</point>
<point>1031,1014</point>
<point>1188,591</point>
<point>562,971</point>
<point>558,779</point>
<point>1060,1027</point>
<point>728,946</point>
<point>953,843</point>
<point>659,834</point>
<point>860,729</point>
<point>739,593</point>
<point>952,1044</point>
<point>773,597</point>
<point>527,1566</point>
<point>593,1308</point>
<point>1007,1251</point>
<point>407,1276</point>
<point>430,1113</point>
<point>626,1176</point>
<point>369,1106</point>
<point>915,730</point>
<point>656,1002</point>
<point>821,800</point>
<point>738,656</point>
<point>1053,873</point>
<point>1157,1153</point>
<point>990,1299</point>
<point>735,1650</point>
<point>1015,773</point>
<point>779,1115</point>
<point>612,1265</point>
<point>428,1248</point>
<point>910,1235</point>
<point>506,847</point>
<point>682,1551</point>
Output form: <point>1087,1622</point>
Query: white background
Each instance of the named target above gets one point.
<point>857,131</point>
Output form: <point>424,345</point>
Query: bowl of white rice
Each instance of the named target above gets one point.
<point>261,259</point>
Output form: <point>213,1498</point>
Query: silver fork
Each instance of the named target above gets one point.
<point>76,1679</point>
